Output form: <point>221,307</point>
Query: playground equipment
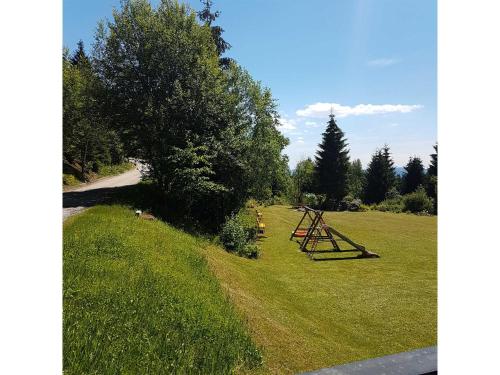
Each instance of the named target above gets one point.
<point>319,231</point>
<point>261,227</point>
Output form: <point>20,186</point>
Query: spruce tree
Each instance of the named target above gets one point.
<point>433,167</point>
<point>414,176</point>
<point>374,188</point>
<point>332,165</point>
<point>380,176</point>
<point>389,180</point>
<point>432,178</point>
<point>207,16</point>
<point>79,57</point>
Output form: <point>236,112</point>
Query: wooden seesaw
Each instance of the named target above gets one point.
<point>319,231</point>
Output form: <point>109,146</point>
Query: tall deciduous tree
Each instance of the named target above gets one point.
<point>332,164</point>
<point>303,179</point>
<point>257,116</point>
<point>356,179</point>
<point>414,176</point>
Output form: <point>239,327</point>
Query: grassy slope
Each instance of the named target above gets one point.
<point>71,180</point>
<point>139,298</point>
<point>311,314</point>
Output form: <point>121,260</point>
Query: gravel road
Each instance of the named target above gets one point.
<point>93,193</point>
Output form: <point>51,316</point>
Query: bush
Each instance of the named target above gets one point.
<point>233,235</point>
<point>418,201</point>
<point>239,233</point>
<point>248,220</point>
<point>70,180</point>
<point>350,203</point>
<point>390,205</point>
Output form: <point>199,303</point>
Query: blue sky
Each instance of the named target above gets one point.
<point>372,61</point>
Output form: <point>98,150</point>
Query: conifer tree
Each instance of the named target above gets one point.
<point>207,16</point>
<point>380,176</point>
<point>432,178</point>
<point>79,57</point>
<point>433,167</point>
<point>374,188</point>
<point>414,176</point>
<point>389,179</point>
<point>332,165</point>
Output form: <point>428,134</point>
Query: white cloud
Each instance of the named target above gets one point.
<point>286,125</point>
<point>382,62</point>
<point>311,124</point>
<point>320,110</point>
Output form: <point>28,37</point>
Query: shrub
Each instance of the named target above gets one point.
<point>248,220</point>
<point>350,203</point>
<point>233,235</point>
<point>70,180</point>
<point>390,205</point>
<point>418,201</point>
<point>239,233</point>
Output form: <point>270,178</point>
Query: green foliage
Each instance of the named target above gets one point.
<point>233,235</point>
<point>414,176</point>
<point>356,179</point>
<point>267,172</point>
<point>418,201</point>
<point>138,297</point>
<point>380,176</point>
<point>209,135</point>
<point>332,165</point>
<point>70,180</point>
<point>303,178</point>
<point>86,134</point>
<point>394,204</point>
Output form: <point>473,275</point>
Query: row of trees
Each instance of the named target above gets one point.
<point>158,80</point>
<point>335,176</point>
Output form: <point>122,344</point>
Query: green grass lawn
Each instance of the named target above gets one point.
<point>139,299</point>
<point>309,314</point>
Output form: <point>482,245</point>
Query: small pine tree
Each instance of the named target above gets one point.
<point>414,176</point>
<point>332,165</point>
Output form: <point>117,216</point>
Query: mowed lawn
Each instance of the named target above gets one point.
<point>309,314</point>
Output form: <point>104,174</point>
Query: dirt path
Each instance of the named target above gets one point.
<point>90,194</point>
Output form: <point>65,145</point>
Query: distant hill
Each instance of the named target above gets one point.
<point>399,171</point>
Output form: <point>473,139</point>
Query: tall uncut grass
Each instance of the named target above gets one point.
<point>139,298</point>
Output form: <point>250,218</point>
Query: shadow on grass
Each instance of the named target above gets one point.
<point>144,196</point>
